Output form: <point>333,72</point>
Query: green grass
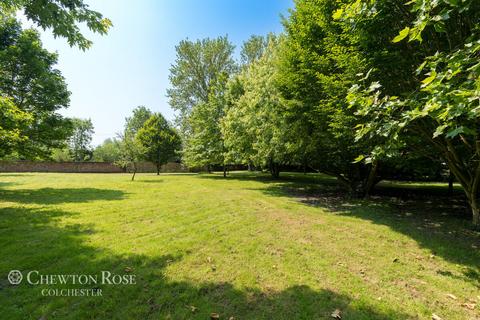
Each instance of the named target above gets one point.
<point>243,247</point>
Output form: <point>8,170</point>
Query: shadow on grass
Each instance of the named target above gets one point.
<point>427,215</point>
<point>267,178</point>
<point>34,239</point>
<point>55,196</point>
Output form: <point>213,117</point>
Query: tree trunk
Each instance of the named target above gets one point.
<point>450,184</point>
<point>158,168</point>
<point>209,169</point>
<point>372,176</point>
<point>473,201</point>
<point>134,171</point>
<point>224,170</point>
<point>275,170</point>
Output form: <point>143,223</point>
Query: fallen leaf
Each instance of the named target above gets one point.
<point>231,318</point>
<point>451,296</point>
<point>193,308</point>
<point>214,316</point>
<point>470,306</point>
<point>214,267</point>
<point>128,269</point>
<point>209,259</point>
<point>436,317</point>
<point>337,314</point>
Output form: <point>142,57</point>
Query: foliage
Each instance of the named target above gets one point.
<point>254,127</point>
<point>160,141</point>
<point>62,16</point>
<point>197,69</point>
<point>108,151</point>
<point>441,108</point>
<point>131,149</point>
<point>253,49</point>
<point>318,62</point>
<point>29,80</point>
<point>13,124</point>
<point>61,155</point>
<point>80,141</point>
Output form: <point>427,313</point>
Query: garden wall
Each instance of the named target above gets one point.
<point>83,167</point>
<point>50,166</point>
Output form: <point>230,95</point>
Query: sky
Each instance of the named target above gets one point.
<point>130,65</point>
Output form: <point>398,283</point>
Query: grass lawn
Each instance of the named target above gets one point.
<point>243,247</point>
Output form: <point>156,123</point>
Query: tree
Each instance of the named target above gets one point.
<point>131,148</point>
<point>140,115</point>
<point>61,155</point>
<point>108,151</point>
<point>318,62</point>
<point>159,140</point>
<point>253,49</point>
<point>79,142</point>
<point>440,107</point>
<point>13,124</point>
<point>204,146</point>
<point>31,84</point>
<point>197,69</point>
<point>62,16</point>
<point>254,127</point>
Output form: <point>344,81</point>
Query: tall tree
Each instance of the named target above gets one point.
<point>13,124</point>
<point>253,49</point>
<point>80,142</point>
<point>204,146</point>
<point>159,140</point>
<point>197,69</point>
<point>62,16</point>
<point>318,62</point>
<point>132,150</point>
<point>29,80</point>
<point>254,128</point>
<point>108,151</point>
<point>441,104</point>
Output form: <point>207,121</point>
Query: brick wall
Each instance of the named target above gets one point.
<point>47,166</point>
<point>84,167</point>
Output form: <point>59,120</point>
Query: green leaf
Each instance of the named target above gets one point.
<point>439,130</point>
<point>402,35</point>
<point>427,81</point>
<point>359,159</point>
<point>337,14</point>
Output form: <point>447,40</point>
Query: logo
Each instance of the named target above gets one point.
<point>15,277</point>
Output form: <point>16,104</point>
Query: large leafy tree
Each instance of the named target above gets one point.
<point>108,151</point>
<point>79,143</point>
<point>159,140</point>
<point>253,49</point>
<point>31,84</point>
<point>254,127</point>
<point>62,16</point>
<point>440,104</point>
<point>198,68</point>
<point>131,148</point>
<point>13,123</point>
<point>318,63</point>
